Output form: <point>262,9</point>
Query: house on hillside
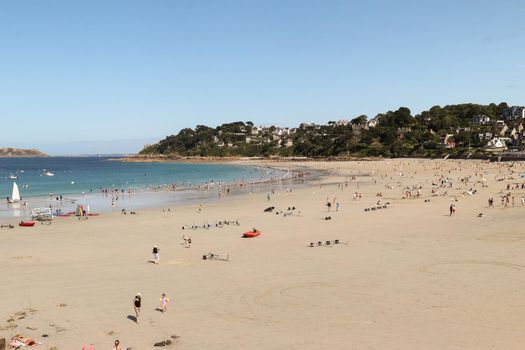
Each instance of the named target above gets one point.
<point>372,123</point>
<point>448,141</point>
<point>456,130</point>
<point>496,144</point>
<point>480,119</point>
<point>514,113</point>
<point>485,136</point>
<point>503,130</point>
<point>500,124</point>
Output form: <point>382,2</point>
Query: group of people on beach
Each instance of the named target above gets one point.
<point>137,304</point>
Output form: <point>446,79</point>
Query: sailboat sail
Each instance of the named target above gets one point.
<point>16,194</point>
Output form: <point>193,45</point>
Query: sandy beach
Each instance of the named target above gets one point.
<point>412,276</point>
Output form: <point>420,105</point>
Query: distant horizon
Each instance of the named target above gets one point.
<point>83,148</point>
<point>134,145</point>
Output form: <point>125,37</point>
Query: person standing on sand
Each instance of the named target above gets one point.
<point>156,257</point>
<point>164,302</point>
<point>137,303</point>
<point>117,345</point>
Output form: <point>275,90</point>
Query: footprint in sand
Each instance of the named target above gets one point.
<point>58,329</point>
<point>10,324</point>
<point>20,315</point>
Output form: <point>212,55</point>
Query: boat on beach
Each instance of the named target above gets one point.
<point>251,234</point>
<point>26,223</point>
<point>15,195</point>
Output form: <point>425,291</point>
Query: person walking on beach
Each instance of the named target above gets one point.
<point>137,303</point>
<point>164,300</point>
<point>156,258</point>
<point>117,345</point>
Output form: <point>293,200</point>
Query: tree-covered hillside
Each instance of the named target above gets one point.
<point>437,131</point>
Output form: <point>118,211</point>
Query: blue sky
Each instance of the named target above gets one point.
<point>76,76</point>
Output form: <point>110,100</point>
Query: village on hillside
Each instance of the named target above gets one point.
<point>476,129</point>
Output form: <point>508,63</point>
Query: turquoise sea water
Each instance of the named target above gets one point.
<point>82,178</point>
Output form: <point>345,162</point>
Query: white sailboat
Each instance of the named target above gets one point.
<point>15,196</point>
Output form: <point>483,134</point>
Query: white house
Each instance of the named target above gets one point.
<point>496,144</point>
<point>372,123</point>
<point>481,119</point>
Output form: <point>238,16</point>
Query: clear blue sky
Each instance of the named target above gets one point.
<point>105,71</point>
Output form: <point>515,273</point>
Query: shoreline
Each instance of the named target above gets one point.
<point>492,157</point>
<point>175,159</point>
<point>151,198</point>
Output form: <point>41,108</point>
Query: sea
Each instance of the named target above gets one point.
<point>62,183</point>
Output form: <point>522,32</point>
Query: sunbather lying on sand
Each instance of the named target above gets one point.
<point>19,341</point>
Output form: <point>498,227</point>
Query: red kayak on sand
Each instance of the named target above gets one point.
<point>251,234</point>
<point>26,223</point>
